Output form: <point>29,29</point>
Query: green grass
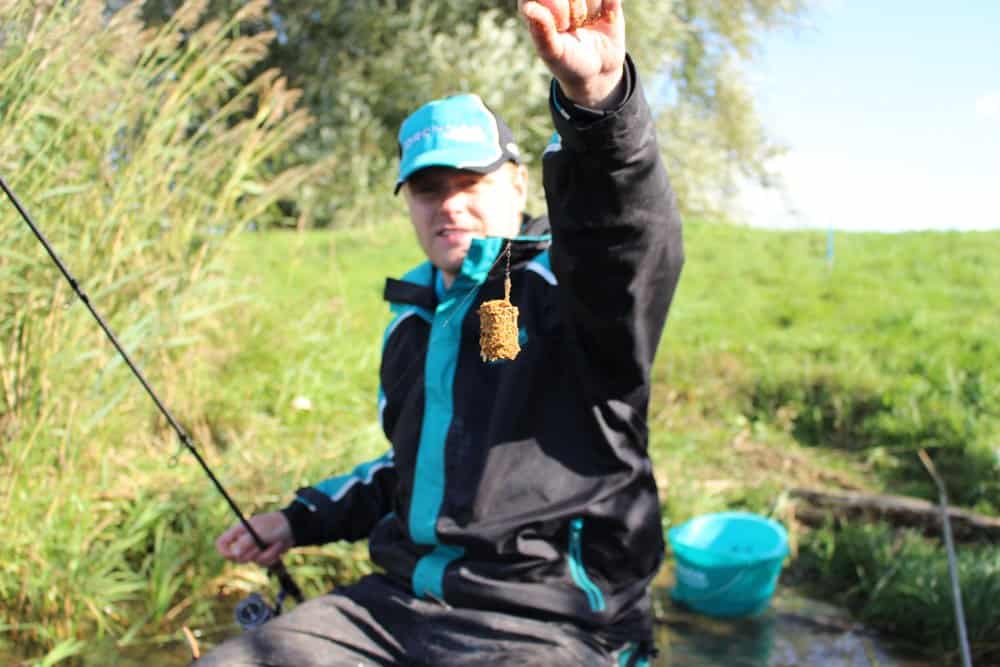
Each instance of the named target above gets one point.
<point>775,370</point>
<point>889,350</point>
<point>899,582</point>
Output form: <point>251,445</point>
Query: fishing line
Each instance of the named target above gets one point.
<point>474,291</point>
<point>287,584</point>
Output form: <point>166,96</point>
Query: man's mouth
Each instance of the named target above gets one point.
<point>453,233</point>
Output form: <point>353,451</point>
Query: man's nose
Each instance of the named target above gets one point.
<point>454,198</point>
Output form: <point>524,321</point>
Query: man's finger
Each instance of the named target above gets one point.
<point>579,13</point>
<point>594,11</point>
<point>224,543</point>
<point>247,548</point>
<point>559,11</point>
<point>611,10</point>
<point>271,555</point>
<point>542,25</point>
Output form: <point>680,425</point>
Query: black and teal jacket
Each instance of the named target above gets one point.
<point>525,486</point>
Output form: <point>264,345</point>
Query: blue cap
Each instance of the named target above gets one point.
<point>458,132</point>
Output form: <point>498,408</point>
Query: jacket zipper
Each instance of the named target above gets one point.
<point>576,567</point>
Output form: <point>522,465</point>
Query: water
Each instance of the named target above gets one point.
<point>795,631</point>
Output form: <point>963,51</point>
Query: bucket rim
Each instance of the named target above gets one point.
<point>778,552</point>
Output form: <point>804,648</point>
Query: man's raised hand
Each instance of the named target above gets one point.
<point>583,44</point>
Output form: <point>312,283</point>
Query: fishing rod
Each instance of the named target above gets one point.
<point>253,611</point>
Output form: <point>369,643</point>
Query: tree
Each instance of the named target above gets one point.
<point>364,64</point>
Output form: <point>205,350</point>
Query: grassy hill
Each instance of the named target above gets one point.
<point>888,349</point>
<point>777,368</point>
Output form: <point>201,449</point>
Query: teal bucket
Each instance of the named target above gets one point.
<point>727,564</point>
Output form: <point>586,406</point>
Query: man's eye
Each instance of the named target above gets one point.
<point>435,189</point>
<point>470,184</point>
<point>425,190</point>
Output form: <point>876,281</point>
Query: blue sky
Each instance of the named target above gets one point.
<point>890,111</point>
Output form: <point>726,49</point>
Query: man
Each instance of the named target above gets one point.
<point>516,517</point>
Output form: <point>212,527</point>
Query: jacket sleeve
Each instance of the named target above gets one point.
<point>617,248</point>
<point>346,507</point>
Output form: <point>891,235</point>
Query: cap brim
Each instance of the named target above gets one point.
<point>451,159</point>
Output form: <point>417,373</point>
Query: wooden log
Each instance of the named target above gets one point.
<point>897,510</point>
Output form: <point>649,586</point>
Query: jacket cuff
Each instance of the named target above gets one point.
<point>592,131</point>
<point>307,516</point>
<point>572,111</point>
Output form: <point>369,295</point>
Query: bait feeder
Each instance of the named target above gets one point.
<point>498,335</point>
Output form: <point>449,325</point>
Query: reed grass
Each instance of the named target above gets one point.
<point>140,153</point>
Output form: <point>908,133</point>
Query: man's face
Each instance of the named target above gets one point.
<point>449,207</point>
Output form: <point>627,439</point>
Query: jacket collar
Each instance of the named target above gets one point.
<point>483,262</point>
